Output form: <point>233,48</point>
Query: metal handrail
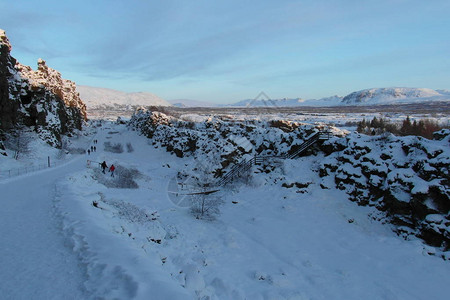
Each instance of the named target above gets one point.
<point>246,164</point>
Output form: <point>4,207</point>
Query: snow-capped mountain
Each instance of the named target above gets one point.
<point>375,96</point>
<point>96,97</point>
<point>394,95</point>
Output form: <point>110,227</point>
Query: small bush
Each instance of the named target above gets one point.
<point>76,150</point>
<point>123,178</point>
<point>130,148</point>
<point>114,148</point>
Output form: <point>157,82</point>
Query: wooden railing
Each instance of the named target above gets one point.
<point>242,167</point>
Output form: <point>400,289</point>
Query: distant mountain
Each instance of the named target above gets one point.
<point>444,92</point>
<point>96,98</point>
<point>191,103</point>
<point>394,95</point>
<point>329,101</point>
<point>376,96</point>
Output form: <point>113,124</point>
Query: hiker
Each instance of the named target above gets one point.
<point>89,152</point>
<point>111,169</point>
<point>95,149</point>
<point>104,166</point>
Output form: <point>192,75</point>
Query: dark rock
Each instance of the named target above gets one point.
<point>39,99</point>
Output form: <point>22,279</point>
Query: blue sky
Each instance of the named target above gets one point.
<point>224,51</point>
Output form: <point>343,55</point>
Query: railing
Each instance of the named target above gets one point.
<point>22,171</point>
<point>243,166</point>
<point>308,143</point>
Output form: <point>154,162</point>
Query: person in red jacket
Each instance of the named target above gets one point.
<point>111,169</point>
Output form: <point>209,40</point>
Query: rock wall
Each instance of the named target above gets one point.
<point>405,177</point>
<point>223,142</point>
<point>38,99</point>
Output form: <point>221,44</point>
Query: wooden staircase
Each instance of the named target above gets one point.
<point>242,167</point>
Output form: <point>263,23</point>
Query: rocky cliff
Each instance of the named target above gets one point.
<point>405,177</point>
<point>41,99</point>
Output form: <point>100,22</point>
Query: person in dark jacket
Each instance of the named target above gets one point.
<point>104,166</point>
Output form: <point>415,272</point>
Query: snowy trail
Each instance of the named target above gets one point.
<point>269,242</point>
<point>36,261</point>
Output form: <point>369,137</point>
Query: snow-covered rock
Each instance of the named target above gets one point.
<point>223,142</point>
<point>39,99</point>
<point>51,80</point>
<point>406,177</point>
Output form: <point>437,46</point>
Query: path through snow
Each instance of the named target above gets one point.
<point>36,261</point>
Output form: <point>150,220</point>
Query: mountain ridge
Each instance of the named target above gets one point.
<point>394,95</point>
<point>96,97</point>
<point>366,97</point>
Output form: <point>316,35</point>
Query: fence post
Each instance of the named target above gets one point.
<point>48,157</point>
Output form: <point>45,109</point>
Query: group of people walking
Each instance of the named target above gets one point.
<point>104,166</point>
<point>92,149</point>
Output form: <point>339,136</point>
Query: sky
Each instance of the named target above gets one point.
<point>225,51</point>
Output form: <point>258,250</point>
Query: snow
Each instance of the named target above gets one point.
<point>37,261</point>
<point>268,242</point>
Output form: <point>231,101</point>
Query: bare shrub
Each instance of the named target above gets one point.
<point>114,148</point>
<point>205,205</point>
<point>130,148</point>
<point>18,140</point>
<point>76,150</point>
<point>124,178</point>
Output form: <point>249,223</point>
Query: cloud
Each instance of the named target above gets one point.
<point>193,40</point>
<point>232,42</point>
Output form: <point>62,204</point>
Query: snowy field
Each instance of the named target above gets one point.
<point>336,116</point>
<point>72,232</point>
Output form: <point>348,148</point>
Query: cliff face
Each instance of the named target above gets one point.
<point>39,99</point>
<point>405,177</point>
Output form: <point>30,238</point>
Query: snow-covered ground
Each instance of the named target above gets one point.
<point>71,232</point>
